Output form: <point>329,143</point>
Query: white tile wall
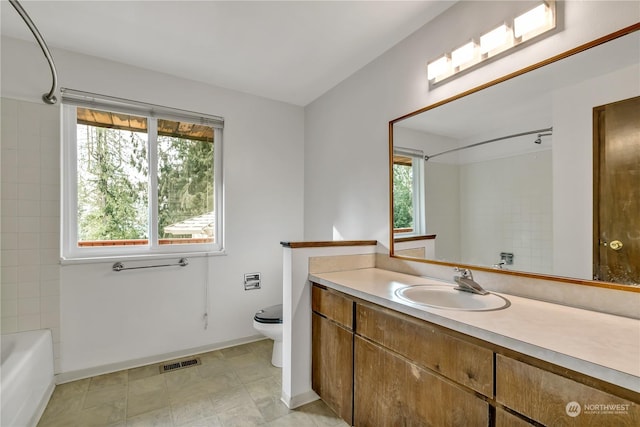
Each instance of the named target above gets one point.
<point>30,218</point>
<point>507,207</point>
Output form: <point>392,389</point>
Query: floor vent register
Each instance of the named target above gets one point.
<point>172,366</point>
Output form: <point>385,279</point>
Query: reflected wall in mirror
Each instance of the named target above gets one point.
<point>502,177</point>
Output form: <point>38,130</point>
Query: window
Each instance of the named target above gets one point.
<point>408,191</point>
<point>139,178</point>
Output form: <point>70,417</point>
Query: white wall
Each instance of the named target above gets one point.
<point>346,130</point>
<point>110,318</point>
<point>442,210</point>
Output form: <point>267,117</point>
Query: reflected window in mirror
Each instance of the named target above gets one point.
<point>408,191</point>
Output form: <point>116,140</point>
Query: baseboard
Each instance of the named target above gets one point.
<point>65,377</point>
<point>299,399</point>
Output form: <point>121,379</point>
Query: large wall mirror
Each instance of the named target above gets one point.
<point>535,173</point>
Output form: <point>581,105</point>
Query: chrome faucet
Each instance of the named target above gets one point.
<point>500,264</point>
<point>466,283</point>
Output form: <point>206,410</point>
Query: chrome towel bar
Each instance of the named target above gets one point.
<point>118,266</point>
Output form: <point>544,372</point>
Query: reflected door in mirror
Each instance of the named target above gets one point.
<point>617,192</point>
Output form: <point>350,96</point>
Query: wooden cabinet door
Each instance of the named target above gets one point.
<point>332,365</point>
<point>391,391</point>
<point>554,400</point>
<point>428,346</point>
<point>505,419</point>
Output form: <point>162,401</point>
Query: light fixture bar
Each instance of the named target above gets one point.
<point>510,34</point>
<point>464,55</point>
<point>533,22</point>
<point>496,40</point>
<point>439,68</point>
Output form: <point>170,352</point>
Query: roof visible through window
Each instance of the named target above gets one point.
<point>135,123</point>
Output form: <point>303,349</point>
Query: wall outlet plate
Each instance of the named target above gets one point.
<point>251,281</point>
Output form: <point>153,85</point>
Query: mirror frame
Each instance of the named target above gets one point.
<point>630,288</point>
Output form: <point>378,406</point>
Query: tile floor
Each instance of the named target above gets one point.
<point>236,386</point>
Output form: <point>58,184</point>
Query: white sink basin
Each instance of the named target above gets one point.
<point>449,298</point>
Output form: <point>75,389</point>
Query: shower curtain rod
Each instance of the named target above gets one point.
<point>48,98</point>
<point>550,129</point>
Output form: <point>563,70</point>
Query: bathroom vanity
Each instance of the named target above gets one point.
<point>378,360</point>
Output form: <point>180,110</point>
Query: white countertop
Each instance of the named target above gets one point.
<point>600,345</point>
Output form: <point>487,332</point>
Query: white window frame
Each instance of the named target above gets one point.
<point>418,189</point>
<point>70,251</point>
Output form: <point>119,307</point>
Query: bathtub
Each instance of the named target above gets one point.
<point>26,376</point>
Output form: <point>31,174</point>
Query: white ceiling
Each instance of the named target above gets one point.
<point>292,51</point>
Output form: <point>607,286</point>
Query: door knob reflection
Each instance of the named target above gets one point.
<point>616,245</point>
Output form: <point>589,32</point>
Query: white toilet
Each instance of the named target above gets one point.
<point>268,322</point>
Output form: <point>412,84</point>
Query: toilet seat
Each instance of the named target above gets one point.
<point>269,315</point>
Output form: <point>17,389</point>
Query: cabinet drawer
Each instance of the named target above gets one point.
<point>392,391</point>
<point>429,346</point>
<point>555,400</point>
<point>333,305</point>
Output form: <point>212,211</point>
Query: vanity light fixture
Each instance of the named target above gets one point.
<point>439,67</point>
<point>536,21</point>
<point>496,40</point>
<point>464,55</point>
<point>524,27</point>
